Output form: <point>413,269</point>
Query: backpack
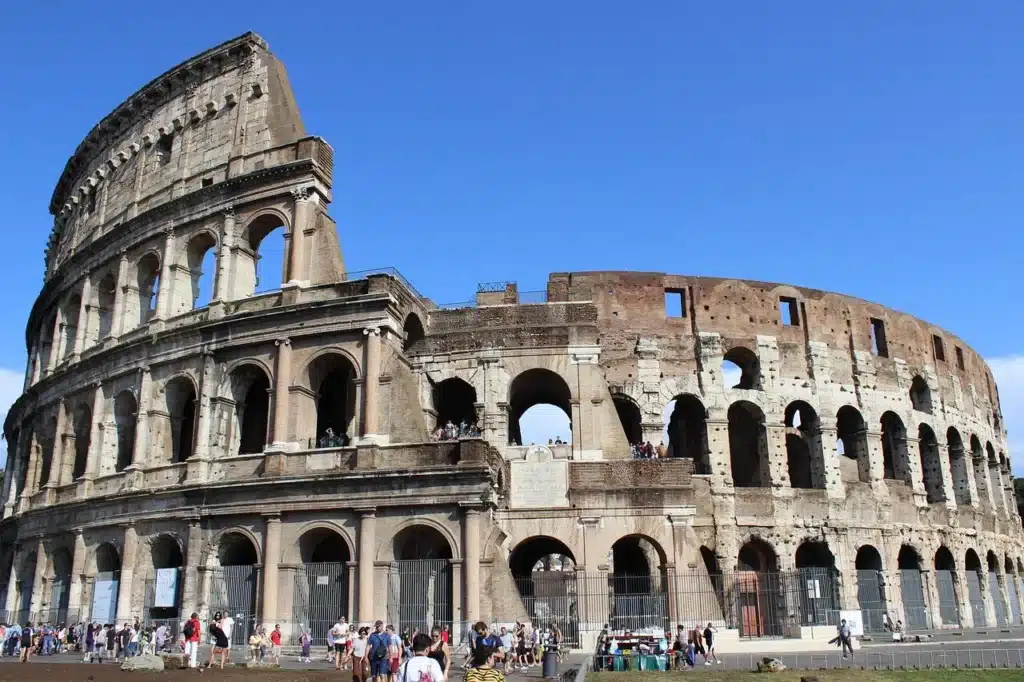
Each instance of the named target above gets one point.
<point>26,634</point>
<point>380,649</point>
<point>189,629</point>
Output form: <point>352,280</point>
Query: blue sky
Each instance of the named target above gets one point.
<point>870,147</point>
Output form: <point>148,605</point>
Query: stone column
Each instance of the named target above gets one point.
<point>124,587</point>
<point>59,342</point>
<point>117,324</point>
<point>998,497</point>
<point>963,600</point>
<point>96,440</point>
<point>36,365</point>
<point>57,465</point>
<point>471,556</point>
<point>77,569</point>
<point>297,241</point>
<point>32,465</point>
<point>227,242</point>
<point>37,579</point>
<point>371,383</point>
<point>271,557</point>
<point>282,380</point>
<point>12,585</point>
<point>931,591</point>
<point>946,471</point>
<point>163,299</point>
<point>140,450</point>
<point>83,318</point>
<point>988,598</point>
<point>190,591</point>
<point>367,542</point>
<point>206,390</point>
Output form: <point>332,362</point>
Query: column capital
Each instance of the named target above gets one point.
<point>366,512</point>
<point>122,254</point>
<point>79,532</point>
<point>127,525</point>
<point>300,194</point>
<point>272,517</point>
<point>283,342</point>
<point>228,212</point>
<point>471,508</point>
<point>168,232</point>
<point>371,331</point>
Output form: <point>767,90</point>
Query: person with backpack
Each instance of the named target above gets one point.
<point>26,642</point>
<point>421,667</point>
<point>380,659</point>
<point>192,634</point>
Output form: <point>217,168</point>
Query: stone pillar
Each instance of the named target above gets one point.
<point>96,439</point>
<point>77,569</point>
<point>988,598</point>
<point>206,390</point>
<point>271,557</point>
<point>83,318</point>
<point>367,542</point>
<point>282,380</point>
<point>576,419</point>
<point>371,384</point>
<point>37,580</point>
<point>190,591</point>
<point>998,497</point>
<point>59,343</point>
<point>300,217</point>
<point>31,464</point>
<point>948,490</point>
<point>37,364</point>
<point>140,450</point>
<point>124,587</point>
<point>931,591</point>
<point>163,299</point>
<point>117,323</point>
<point>57,465</point>
<point>227,242</point>
<point>471,556</point>
<point>12,585</point>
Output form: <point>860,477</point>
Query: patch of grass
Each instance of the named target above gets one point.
<point>973,675</point>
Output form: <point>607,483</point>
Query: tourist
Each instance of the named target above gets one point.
<point>359,647</point>
<point>483,669</point>
<point>336,643</point>
<point>220,641</point>
<point>438,650</point>
<point>709,646</point>
<point>506,640</point>
<point>421,667</point>
<point>845,638</point>
<point>380,663</point>
<point>445,635</point>
<point>697,636</point>
<point>227,624</point>
<point>255,646</point>
<point>26,642</point>
<point>191,632</point>
<point>275,642</point>
<point>305,642</point>
<point>161,636</point>
<point>100,642</point>
<point>394,651</point>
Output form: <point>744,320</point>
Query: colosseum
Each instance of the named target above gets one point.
<point>339,444</point>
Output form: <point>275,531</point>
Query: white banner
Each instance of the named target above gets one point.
<point>104,601</point>
<point>853,621</point>
<point>166,593</point>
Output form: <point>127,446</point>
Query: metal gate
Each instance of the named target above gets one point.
<point>974,595</point>
<point>915,606</point>
<point>871,597</point>
<point>760,604</point>
<point>553,597</point>
<point>234,591</point>
<point>949,612</point>
<point>420,593</point>
<point>637,602</point>
<point>1012,595</point>
<point>997,598</point>
<point>319,598</point>
<point>59,595</point>
<point>819,596</point>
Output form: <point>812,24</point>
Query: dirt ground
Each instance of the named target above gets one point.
<point>16,672</point>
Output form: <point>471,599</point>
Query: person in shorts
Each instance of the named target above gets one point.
<point>394,650</point>
<point>709,646</point>
<point>220,642</point>
<point>377,650</point>
<point>275,641</point>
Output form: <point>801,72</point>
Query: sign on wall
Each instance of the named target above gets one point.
<point>104,601</point>
<point>853,621</point>
<point>166,588</point>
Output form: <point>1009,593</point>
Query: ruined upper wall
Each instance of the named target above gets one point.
<point>176,134</point>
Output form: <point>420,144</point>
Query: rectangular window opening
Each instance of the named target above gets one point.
<point>207,182</point>
<point>789,312</point>
<point>940,352</point>
<point>163,148</point>
<point>675,303</point>
<point>960,358</point>
<point>878,344</point>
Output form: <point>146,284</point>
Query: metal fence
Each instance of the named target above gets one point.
<point>974,596</point>
<point>949,610</point>
<point>320,596</point>
<point>420,593</point>
<point>915,606</point>
<point>234,590</point>
<point>997,599</point>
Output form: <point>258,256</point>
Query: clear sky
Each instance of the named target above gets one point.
<point>868,147</point>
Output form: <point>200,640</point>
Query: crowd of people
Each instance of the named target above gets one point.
<point>451,431</point>
<point>96,642</point>
<point>648,451</point>
<point>680,652</point>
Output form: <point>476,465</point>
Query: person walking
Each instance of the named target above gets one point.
<point>845,638</point>
<point>709,646</point>
<point>359,647</point>
<point>192,635</point>
<point>305,642</point>
<point>380,661</point>
<point>421,667</point>
<point>439,651</point>
<point>483,669</point>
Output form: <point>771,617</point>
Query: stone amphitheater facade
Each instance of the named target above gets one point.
<point>861,447</point>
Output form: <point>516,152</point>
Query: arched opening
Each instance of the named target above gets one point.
<point>852,444</point>
<point>816,567</point>
<point>414,336</point>
<point>250,390</point>
<point>25,580</point>
<point>895,458</point>
<point>759,591</point>
<point>995,478</point>
<point>420,585</point>
<point>958,467</point>
<point>740,365</point>
<point>804,456</point>
<point>46,440</point>
<point>60,587</point>
<point>333,378</point>
<point>920,395</point>
<point>709,598</point>
<point>234,585</point>
<point>163,591</point>
<point>106,293</point>
<point>1011,581</point>
<point>915,606</point>
<point>69,315</point>
<point>638,584</point>
<point>975,595</point>
<point>629,417</point>
<point>201,256</point>
<point>981,479</point>
<point>455,404</point>
<point>261,259</point>
<point>995,589</point>
<point>47,345</point>
<point>748,446</point>
<point>322,582</point>
<point>180,394</point>
<point>126,414</point>
<point>147,289</point>
<point>544,570</point>
<point>105,584</point>
<point>1007,481</point>
<point>81,425</point>
<point>546,396</point>
<point>945,580</point>
<point>687,429</point>
<point>931,464</point>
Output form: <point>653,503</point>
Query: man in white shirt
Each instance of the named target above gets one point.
<point>227,624</point>
<point>420,668</point>
<point>339,635</point>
